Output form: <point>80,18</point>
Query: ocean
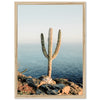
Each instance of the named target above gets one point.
<point>68,63</point>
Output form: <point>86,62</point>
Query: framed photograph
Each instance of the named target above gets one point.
<point>50,50</point>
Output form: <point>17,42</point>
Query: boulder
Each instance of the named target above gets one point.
<point>31,83</point>
<point>52,89</point>
<point>22,78</point>
<point>49,89</point>
<point>62,81</point>
<point>36,81</point>
<point>79,84</point>
<point>73,91</point>
<point>29,77</point>
<point>66,90</point>
<point>51,92</point>
<point>44,88</point>
<point>59,86</point>
<point>80,92</point>
<point>39,92</point>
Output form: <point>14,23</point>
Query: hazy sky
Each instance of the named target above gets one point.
<point>36,19</point>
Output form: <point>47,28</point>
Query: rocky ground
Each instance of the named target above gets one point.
<point>46,86</point>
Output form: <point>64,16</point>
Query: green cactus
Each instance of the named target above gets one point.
<point>49,56</point>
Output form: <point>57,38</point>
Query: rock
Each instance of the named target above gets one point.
<point>55,88</point>
<point>46,88</point>
<point>22,77</point>
<point>31,83</point>
<point>80,92</point>
<point>59,86</point>
<point>73,85</point>
<point>51,92</point>
<point>20,88</point>
<point>62,81</point>
<point>39,92</point>
<point>19,74</point>
<point>79,84</point>
<point>36,81</point>
<point>66,90</point>
<point>19,84</point>
<point>29,77</point>
<point>77,91</point>
<point>25,89</point>
<point>52,89</point>
<point>73,91</point>
<point>41,83</point>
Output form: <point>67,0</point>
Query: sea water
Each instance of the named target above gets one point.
<point>68,64</point>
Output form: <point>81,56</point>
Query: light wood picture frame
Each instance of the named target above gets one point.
<point>17,39</point>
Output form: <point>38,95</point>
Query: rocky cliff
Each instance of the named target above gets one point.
<point>46,86</point>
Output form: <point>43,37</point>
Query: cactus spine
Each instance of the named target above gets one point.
<point>49,56</point>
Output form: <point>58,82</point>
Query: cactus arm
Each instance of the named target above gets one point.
<point>50,43</point>
<point>43,46</point>
<point>58,45</point>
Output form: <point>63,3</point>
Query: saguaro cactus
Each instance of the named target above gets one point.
<point>49,56</point>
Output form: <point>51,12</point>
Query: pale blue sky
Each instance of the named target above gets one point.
<point>36,19</point>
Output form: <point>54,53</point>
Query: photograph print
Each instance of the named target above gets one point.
<point>50,49</point>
